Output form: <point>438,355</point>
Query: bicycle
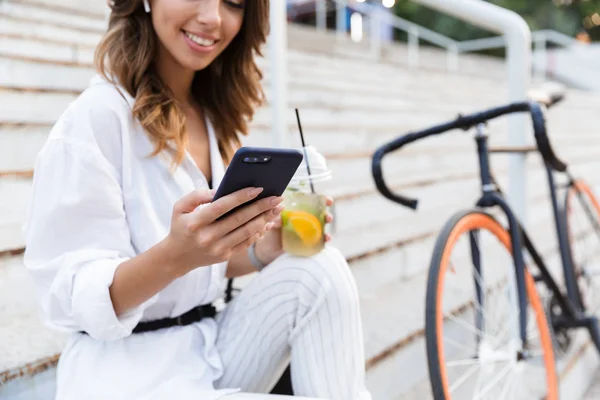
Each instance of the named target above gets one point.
<point>472,351</point>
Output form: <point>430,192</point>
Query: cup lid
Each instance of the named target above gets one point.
<point>318,167</point>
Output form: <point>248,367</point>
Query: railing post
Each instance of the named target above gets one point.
<point>541,56</point>
<point>278,72</point>
<point>518,40</point>
<point>340,18</point>
<point>413,47</point>
<point>321,15</point>
<point>452,60</point>
<point>375,33</point>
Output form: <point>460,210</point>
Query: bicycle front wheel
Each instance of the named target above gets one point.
<point>472,318</point>
<point>581,216</point>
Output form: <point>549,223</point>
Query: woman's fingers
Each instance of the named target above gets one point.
<point>222,206</point>
<point>192,200</point>
<point>245,244</point>
<point>329,201</point>
<point>328,218</point>
<point>247,231</point>
<point>248,213</point>
<point>277,223</point>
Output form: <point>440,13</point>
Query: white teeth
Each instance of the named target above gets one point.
<point>199,40</point>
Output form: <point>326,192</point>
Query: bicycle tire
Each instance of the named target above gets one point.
<point>578,190</point>
<point>459,224</point>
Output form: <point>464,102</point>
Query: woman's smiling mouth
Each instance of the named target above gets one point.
<point>203,42</point>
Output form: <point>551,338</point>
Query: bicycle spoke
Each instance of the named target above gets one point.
<point>462,363</point>
<point>465,377</point>
<point>469,327</point>
<point>506,329</point>
<point>491,301</point>
<point>478,383</point>
<point>494,382</point>
<point>518,378</point>
<point>507,387</point>
<point>458,345</point>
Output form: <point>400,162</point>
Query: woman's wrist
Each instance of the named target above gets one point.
<point>170,258</point>
<point>263,255</point>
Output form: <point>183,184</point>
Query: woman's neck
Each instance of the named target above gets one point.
<point>176,77</point>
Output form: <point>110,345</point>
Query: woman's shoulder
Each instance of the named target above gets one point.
<point>99,117</point>
<point>102,94</point>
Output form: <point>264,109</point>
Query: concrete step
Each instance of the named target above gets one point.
<point>27,75</point>
<point>47,31</point>
<point>19,147</point>
<point>21,46</point>
<point>30,106</point>
<point>311,83</point>
<point>363,142</point>
<point>93,11</point>
<point>28,12</point>
<point>304,69</point>
<point>24,339</point>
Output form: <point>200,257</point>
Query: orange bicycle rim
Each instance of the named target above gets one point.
<point>485,222</point>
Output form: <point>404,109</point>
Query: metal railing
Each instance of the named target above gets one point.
<point>379,16</point>
<point>540,40</point>
<point>416,33</point>
<point>515,36</point>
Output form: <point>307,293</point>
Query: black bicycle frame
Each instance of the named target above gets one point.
<point>492,196</point>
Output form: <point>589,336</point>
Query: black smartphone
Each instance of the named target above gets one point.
<point>268,168</point>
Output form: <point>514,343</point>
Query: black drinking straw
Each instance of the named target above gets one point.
<point>312,188</point>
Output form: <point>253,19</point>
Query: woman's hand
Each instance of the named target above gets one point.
<point>269,245</point>
<point>196,237</point>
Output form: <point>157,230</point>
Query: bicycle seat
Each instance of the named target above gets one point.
<point>548,94</point>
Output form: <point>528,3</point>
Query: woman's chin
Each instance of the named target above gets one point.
<point>198,63</point>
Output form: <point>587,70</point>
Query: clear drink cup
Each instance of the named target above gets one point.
<point>305,207</point>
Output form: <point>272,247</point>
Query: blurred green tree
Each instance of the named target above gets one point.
<point>571,17</point>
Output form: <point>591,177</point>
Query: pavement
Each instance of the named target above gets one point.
<point>594,391</point>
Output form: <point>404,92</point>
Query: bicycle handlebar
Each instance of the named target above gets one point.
<point>466,122</point>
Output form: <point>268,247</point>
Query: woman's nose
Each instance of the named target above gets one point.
<point>209,13</point>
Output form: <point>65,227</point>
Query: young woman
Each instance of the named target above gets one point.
<point>123,239</point>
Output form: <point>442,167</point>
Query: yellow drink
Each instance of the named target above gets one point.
<point>303,231</point>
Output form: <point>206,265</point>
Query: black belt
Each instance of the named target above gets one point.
<point>194,315</point>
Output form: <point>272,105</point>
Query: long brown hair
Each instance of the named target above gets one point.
<point>228,90</point>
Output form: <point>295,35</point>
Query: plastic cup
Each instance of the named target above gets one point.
<point>303,231</point>
<point>305,210</point>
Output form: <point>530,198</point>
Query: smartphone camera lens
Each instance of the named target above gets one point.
<point>247,159</point>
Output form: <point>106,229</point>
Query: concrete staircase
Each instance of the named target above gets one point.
<point>349,105</point>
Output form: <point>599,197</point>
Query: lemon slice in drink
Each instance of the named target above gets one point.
<point>307,226</point>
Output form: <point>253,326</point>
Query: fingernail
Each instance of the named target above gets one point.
<point>255,192</point>
<point>276,201</point>
<point>277,210</point>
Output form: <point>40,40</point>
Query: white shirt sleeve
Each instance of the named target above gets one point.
<point>76,230</point>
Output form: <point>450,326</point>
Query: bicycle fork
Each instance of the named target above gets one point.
<point>490,198</point>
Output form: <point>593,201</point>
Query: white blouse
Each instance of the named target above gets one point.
<point>98,200</point>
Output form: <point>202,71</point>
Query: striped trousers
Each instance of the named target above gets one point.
<point>305,309</point>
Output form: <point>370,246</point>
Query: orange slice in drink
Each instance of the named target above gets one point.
<point>307,226</point>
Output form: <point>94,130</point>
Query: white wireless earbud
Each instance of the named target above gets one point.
<point>147,5</point>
